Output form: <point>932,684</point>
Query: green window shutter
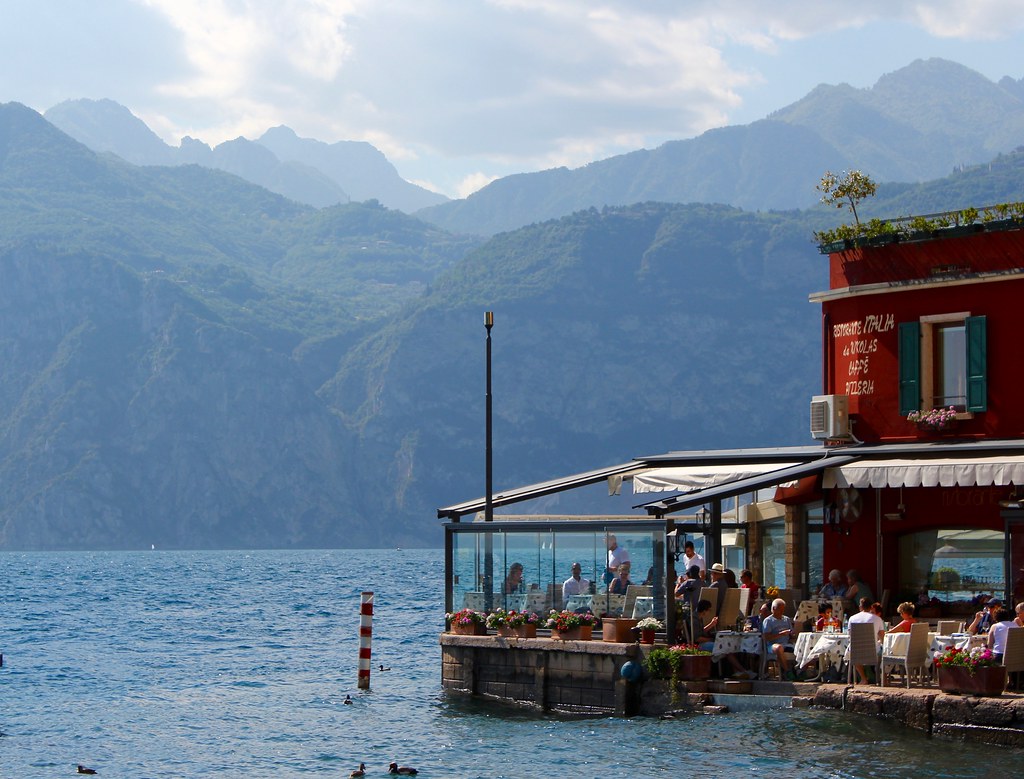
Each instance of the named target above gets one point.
<point>977,363</point>
<point>910,367</point>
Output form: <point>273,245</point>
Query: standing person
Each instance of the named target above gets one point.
<point>514,580</point>
<point>777,630</point>
<point>616,557</point>
<point>867,615</point>
<point>692,558</point>
<point>575,584</point>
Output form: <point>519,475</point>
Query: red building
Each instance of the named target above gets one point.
<point>920,443</point>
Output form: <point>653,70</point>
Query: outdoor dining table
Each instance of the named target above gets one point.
<point>729,642</point>
<point>831,647</point>
<point>896,643</point>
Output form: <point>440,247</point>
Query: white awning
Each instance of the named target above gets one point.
<point>693,477</point>
<point>999,470</point>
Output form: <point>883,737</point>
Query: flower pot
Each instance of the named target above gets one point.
<point>647,636</point>
<point>472,629</point>
<point>618,631</point>
<point>528,630</point>
<point>987,682</point>
<point>581,633</point>
<point>695,667</point>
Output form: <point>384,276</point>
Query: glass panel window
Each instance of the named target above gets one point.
<point>950,379</point>
<point>773,554</point>
<point>951,568</point>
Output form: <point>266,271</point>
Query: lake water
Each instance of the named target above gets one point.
<point>236,664</point>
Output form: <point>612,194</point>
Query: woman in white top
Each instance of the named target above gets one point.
<point>997,633</point>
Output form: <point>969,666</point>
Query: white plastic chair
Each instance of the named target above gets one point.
<point>915,658</point>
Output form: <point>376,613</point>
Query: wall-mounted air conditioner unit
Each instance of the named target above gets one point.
<point>830,416</point>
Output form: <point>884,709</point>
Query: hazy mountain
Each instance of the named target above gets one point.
<point>915,124</point>
<point>303,170</point>
<point>364,171</point>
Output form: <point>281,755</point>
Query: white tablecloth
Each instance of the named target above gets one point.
<point>577,602</point>
<point>830,646</point>
<point>729,642</point>
<point>896,643</point>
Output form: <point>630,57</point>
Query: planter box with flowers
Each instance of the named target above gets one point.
<point>682,662</point>
<point>649,626</point>
<point>514,624</point>
<point>467,623</point>
<point>971,672</point>
<point>938,420</point>
<point>571,625</point>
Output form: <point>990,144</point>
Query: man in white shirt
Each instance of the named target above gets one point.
<point>575,584</point>
<point>865,615</point>
<point>692,558</point>
<point>616,557</point>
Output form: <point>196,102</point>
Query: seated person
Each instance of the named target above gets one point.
<point>834,587</point>
<point>876,609</point>
<point>825,618</point>
<point>514,580</point>
<point>855,588</point>
<point>706,626</point>
<point>906,612</point>
<point>778,633</point>
<point>984,619</point>
<point>756,621</point>
<point>866,614</point>
<point>575,584</point>
<point>997,633</point>
<point>621,581</point>
<point>747,583</point>
<point>688,586</point>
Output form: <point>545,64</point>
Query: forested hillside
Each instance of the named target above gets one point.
<point>192,361</point>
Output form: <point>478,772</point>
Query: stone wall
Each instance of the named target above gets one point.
<point>569,676</point>
<point>989,720</point>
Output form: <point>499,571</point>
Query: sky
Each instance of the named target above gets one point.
<point>457,93</point>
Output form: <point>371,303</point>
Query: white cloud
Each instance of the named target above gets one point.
<point>472,183</point>
<point>470,85</point>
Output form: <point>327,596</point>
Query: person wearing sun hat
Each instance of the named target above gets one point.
<point>719,583</point>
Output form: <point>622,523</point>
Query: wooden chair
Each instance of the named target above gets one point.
<point>947,627</point>
<point>863,649</point>
<point>1013,655</point>
<point>915,658</point>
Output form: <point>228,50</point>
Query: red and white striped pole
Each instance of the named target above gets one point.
<point>365,636</point>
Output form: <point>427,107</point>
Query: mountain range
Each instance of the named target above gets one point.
<point>191,360</point>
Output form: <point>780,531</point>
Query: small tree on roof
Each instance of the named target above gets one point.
<point>846,189</point>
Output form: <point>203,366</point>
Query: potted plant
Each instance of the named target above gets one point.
<point>682,662</point>
<point>467,622</point>
<point>938,420</point>
<point>971,671</point>
<point>648,627</point>
<point>571,625</point>
<point>514,624</point>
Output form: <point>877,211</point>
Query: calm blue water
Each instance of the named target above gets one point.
<point>235,664</point>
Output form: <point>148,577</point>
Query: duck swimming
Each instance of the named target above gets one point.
<point>404,770</point>
<point>348,700</point>
<point>361,771</point>
<point>83,770</point>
